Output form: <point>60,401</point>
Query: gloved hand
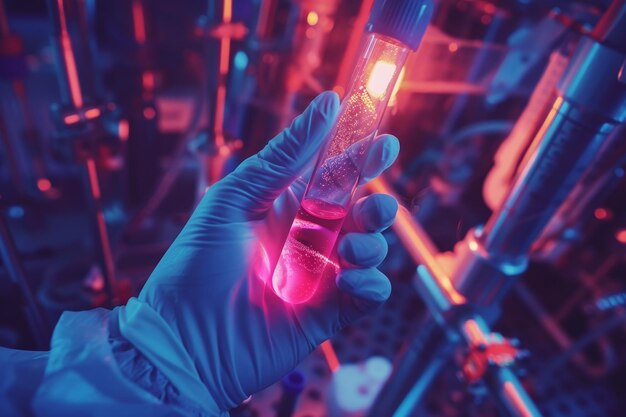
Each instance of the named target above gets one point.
<point>212,289</point>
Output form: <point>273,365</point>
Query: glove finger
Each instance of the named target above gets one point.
<point>373,213</point>
<point>367,288</point>
<point>358,250</point>
<point>381,155</point>
<point>250,190</point>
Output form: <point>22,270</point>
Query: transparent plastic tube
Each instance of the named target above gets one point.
<point>336,175</point>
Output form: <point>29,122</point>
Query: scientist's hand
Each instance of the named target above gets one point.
<point>213,286</point>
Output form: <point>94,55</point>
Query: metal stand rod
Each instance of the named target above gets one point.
<point>10,259</point>
<point>105,254</point>
<point>29,132</point>
<point>72,95</point>
<point>429,351</point>
<point>11,158</point>
<point>67,69</point>
<point>438,336</point>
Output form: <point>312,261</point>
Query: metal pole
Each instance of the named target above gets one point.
<point>11,261</point>
<point>72,96</point>
<point>12,156</point>
<point>105,254</point>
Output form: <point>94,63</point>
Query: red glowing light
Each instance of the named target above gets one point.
<point>70,62</point>
<point>227,14</point>
<point>44,184</point>
<point>224,61</point>
<point>139,22</point>
<point>224,55</point>
<point>330,355</point>
<point>601,214</point>
<point>473,331</point>
<point>123,130</point>
<point>71,119</point>
<point>219,115</point>
<point>92,113</point>
<point>149,113</point>
<point>620,236</point>
<point>339,90</point>
<point>147,79</point>
<point>93,178</point>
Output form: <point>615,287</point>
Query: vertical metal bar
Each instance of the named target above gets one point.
<point>72,94</point>
<point>510,394</point>
<point>415,369</point>
<point>69,82</point>
<point>103,242</point>
<point>12,157</point>
<point>11,261</point>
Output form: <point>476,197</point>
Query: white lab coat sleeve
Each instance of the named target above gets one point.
<point>88,372</point>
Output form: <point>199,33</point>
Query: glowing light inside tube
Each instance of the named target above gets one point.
<point>396,88</point>
<point>379,79</point>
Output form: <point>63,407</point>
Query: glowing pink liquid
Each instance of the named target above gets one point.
<point>305,254</point>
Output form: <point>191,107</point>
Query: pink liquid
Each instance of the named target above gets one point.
<point>305,254</point>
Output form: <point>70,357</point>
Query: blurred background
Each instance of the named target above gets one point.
<point>116,115</point>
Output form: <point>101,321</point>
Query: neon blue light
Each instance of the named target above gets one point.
<point>241,60</point>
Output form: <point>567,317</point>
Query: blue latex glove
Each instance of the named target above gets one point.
<point>208,317</point>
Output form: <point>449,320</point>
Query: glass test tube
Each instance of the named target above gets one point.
<point>327,198</point>
<point>338,170</point>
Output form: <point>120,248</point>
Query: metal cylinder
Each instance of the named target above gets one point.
<point>293,383</point>
<point>590,105</point>
<point>414,370</point>
<point>510,396</point>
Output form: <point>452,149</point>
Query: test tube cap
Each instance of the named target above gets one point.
<point>293,383</point>
<point>403,20</point>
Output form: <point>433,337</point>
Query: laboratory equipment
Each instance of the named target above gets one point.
<point>156,89</point>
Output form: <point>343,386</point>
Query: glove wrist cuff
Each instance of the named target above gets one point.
<point>156,345</point>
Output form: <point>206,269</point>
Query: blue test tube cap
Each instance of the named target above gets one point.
<point>293,383</point>
<point>403,20</point>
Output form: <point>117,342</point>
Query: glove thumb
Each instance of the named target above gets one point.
<point>249,191</point>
